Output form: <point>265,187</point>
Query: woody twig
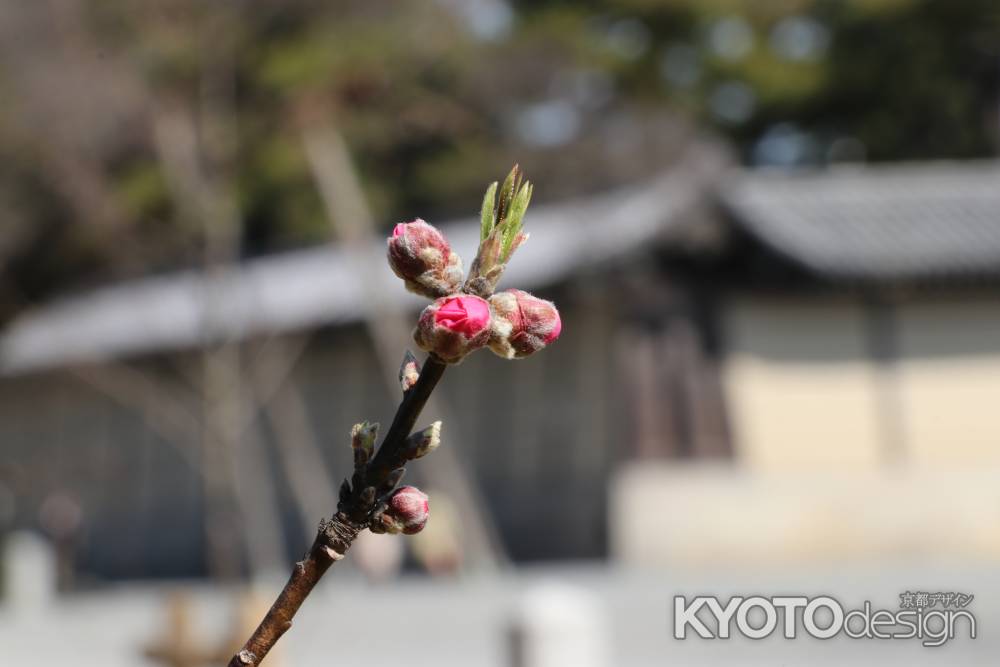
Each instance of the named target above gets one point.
<point>464,317</point>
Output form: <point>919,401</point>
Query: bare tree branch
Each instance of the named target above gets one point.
<point>354,224</point>
<point>336,535</point>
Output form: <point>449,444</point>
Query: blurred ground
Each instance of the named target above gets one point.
<point>461,623</point>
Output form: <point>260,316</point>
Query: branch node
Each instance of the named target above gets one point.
<point>247,657</point>
<point>338,533</point>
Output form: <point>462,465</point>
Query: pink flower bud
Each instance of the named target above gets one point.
<point>407,512</point>
<point>420,255</point>
<point>453,326</point>
<point>522,324</point>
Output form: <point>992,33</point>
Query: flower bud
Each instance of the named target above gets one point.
<point>423,442</point>
<point>420,255</point>
<point>453,326</point>
<point>522,324</point>
<point>409,372</point>
<point>363,442</point>
<point>407,512</point>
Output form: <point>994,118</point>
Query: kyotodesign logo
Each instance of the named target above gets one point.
<point>823,617</point>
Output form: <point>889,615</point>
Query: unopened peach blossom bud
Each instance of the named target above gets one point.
<point>522,324</point>
<point>407,512</point>
<point>453,326</point>
<point>420,255</point>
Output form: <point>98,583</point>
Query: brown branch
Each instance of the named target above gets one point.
<point>354,227</point>
<point>335,536</point>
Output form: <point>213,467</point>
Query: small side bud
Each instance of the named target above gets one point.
<point>409,371</point>
<point>423,442</point>
<point>420,255</point>
<point>453,326</point>
<point>522,324</point>
<point>407,512</point>
<point>363,438</point>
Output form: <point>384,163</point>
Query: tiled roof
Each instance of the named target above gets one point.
<point>880,224</point>
<point>912,222</point>
<point>320,286</point>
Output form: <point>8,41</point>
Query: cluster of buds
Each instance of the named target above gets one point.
<point>390,510</point>
<point>464,316</point>
<point>467,316</point>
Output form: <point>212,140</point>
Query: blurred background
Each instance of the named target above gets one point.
<point>772,229</point>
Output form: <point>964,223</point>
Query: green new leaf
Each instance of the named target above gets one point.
<point>514,222</point>
<point>501,220</point>
<point>486,219</point>
<point>510,186</point>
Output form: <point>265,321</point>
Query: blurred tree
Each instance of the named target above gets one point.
<point>809,81</point>
<point>104,125</point>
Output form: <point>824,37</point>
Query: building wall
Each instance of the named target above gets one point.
<point>801,385</point>
<point>949,380</point>
<point>811,384</point>
<point>860,432</point>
